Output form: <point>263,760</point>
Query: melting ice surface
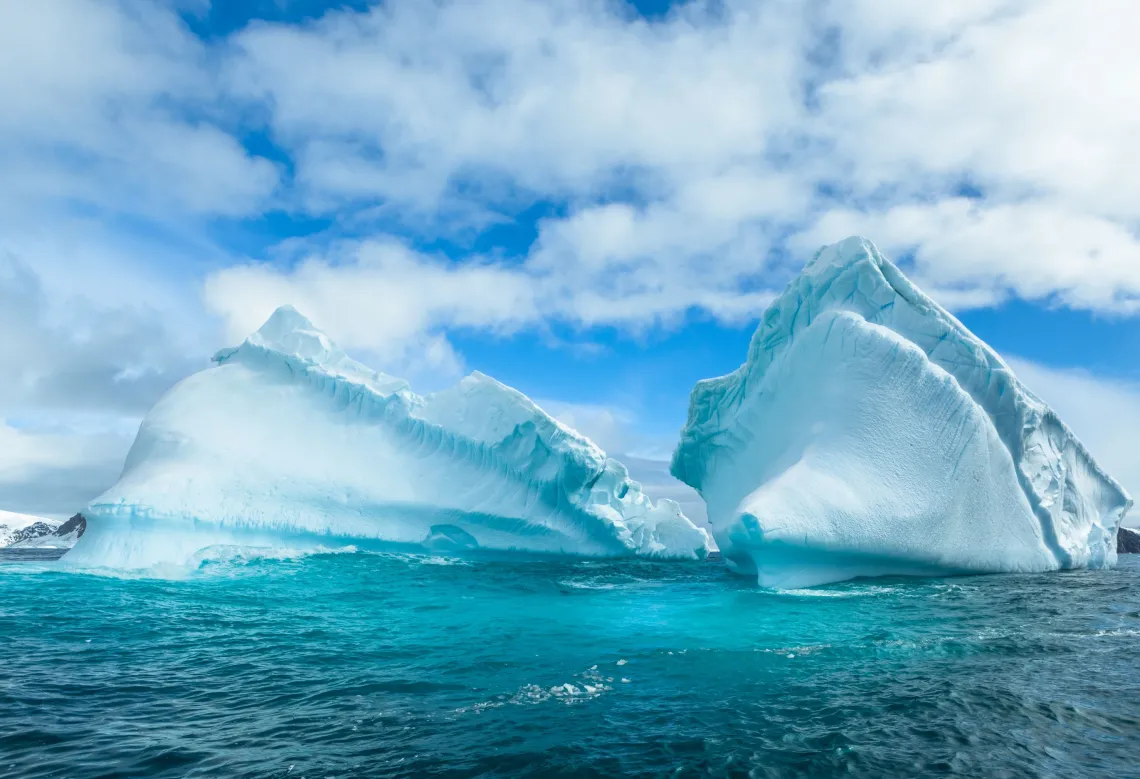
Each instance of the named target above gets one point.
<point>286,441</point>
<point>869,433</point>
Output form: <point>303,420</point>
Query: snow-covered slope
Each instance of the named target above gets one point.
<point>19,528</point>
<point>286,441</point>
<point>62,536</point>
<point>870,433</point>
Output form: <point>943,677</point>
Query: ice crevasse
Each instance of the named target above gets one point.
<point>286,441</point>
<point>870,433</point>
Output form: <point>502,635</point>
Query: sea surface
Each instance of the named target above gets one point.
<point>262,664</point>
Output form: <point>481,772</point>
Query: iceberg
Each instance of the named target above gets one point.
<point>287,442</point>
<point>870,433</point>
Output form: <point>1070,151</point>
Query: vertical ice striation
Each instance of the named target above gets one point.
<point>869,432</point>
<point>286,441</point>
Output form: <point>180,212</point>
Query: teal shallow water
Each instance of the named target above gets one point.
<point>362,665</point>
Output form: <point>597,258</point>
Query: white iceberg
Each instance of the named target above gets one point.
<point>287,442</point>
<point>870,433</point>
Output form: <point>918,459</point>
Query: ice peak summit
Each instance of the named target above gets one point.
<point>289,336</point>
<point>849,251</point>
<point>289,331</point>
<point>284,322</point>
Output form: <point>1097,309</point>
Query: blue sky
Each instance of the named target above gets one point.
<point>591,201</point>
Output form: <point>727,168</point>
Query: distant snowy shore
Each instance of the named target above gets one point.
<point>25,531</point>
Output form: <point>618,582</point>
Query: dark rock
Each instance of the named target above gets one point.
<point>34,530</point>
<point>76,523</point>
<point>1127,541</point>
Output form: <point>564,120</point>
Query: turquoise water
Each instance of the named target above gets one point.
<point>370,665</point>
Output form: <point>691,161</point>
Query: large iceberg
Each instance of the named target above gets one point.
<point>870,433</point>
<point>286,441</point>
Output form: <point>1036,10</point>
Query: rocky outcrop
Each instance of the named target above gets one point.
<point>77,525</point>
<point>48,535</point>
<point>30,532</point>
<point>1127,541</point>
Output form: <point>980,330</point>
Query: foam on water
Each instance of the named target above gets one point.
<point>213,560</point>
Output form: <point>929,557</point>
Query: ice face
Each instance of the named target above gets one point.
<point>287,441</point>
<point>869,432</point>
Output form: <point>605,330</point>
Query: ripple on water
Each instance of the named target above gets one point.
<point>261,663</point>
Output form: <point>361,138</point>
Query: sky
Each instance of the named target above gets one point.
<point>591,201</point>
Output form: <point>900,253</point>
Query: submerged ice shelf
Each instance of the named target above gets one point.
<point>287,441</point>
<point>869,432</point>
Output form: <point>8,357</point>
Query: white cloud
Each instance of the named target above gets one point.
<point>1035,250</point>
<point>57,474</point>
<point>685,150</point>
<point>115,150</point>
<point>558,97</point>
<point>1026,98</point>
<point>72,354</point>
<point>378,297</point>
<point>88,346</point>
<point>109,104</point>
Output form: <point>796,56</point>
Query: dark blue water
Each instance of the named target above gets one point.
<point>364,665</point>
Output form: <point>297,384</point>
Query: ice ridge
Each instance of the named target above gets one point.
<point>287,440</point>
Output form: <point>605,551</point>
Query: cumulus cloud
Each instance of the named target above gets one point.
<point>56,474</point>
<point>380,297</point>
<point>79,374</point>
<point>977,254</point>
<point>701,156</point>
<point>693,160</point>
<point>559,96</point>
<point>108,104</point>
<point>72,356</point>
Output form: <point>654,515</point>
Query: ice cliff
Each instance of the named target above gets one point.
<point>870,433</point>
<point>286,441</point>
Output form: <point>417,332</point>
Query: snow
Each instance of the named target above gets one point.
<point>11,523</point>
<point>49,541</point>
<point>870,433</point>
<point>286,441</point>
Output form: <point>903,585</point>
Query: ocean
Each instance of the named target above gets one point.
<point>269,664</point>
